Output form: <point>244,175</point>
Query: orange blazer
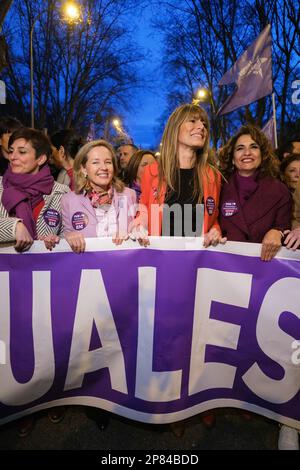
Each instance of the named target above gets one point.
<point>150,210</point>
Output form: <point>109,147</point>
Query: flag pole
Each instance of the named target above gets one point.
<point>274,119</point>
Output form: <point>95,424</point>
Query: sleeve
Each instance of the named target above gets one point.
<point>283,214</point>
<point>8,229</point>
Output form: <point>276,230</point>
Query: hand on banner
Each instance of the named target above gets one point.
<point>213,237</point>
<point>119,238</point>
<point>292,240</point>
<point>140,234</point>
<point>76,241</point>
<point>23,238</point>
<point>50,241</point>
<point>270,245</point>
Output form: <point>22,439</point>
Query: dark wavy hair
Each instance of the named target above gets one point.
<point>269,163</point>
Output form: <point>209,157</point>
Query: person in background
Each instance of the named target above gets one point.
<point>7,126</point>
<point>65,145</point>
<point>135,169</point>
<point>255,206</point>
<point>124,154</point>
<point>289,146</point>
<point>290,171</point>
<point>292,239</point>
<point>101,206</point>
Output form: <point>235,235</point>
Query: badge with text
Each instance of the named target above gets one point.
<point>210,205</point>
<point>229,208</point>
<point>51,217</point>
<point>79,220</point>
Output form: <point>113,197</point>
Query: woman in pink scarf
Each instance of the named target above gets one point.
<point>30,199</point>
<point>101,206</point>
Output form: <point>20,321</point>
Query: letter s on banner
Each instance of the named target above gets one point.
<point>276,344</point>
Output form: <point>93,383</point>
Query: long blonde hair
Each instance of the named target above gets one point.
<point>81,159</point>
<point>169,160</point>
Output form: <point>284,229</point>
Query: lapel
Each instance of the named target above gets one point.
<point>230,194</point>
<point>154,197</point>
<point>86,203</point>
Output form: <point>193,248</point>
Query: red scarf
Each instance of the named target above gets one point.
<point>99,199</point>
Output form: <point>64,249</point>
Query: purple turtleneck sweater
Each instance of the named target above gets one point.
<point>246,186</point>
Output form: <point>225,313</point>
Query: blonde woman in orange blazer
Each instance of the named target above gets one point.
<point>184,175</point>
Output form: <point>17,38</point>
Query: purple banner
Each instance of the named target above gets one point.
<point>155,334</point>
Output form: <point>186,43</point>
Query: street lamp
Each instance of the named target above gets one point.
<point>205,95</point>
<point>117,124</point>
<point>72,15</point>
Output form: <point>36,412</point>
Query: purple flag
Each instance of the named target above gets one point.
<point>252,73</point>
<point>269,131</point>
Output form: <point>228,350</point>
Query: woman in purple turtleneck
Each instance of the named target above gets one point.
<point>254,206</point>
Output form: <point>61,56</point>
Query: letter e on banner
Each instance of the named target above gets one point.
<point>213,285</point>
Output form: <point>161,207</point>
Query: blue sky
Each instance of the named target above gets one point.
<point>141,122</point>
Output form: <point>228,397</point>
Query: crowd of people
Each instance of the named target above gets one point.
<point>63,187</point>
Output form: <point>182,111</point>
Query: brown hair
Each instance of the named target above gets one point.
<point>131,170</point>
<point>292,157</point>
<point>39,141</point>
<point>81,159</point>
<point>169,161</point>
<point>269,163</point>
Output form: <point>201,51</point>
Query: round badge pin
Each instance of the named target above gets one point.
<point>210,205</point>
<point>229,208</point>
<point>79,220</point>
<point>51,217</point>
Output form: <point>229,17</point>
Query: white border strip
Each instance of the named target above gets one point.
<point>157,418</point>
<point>159,243</point>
